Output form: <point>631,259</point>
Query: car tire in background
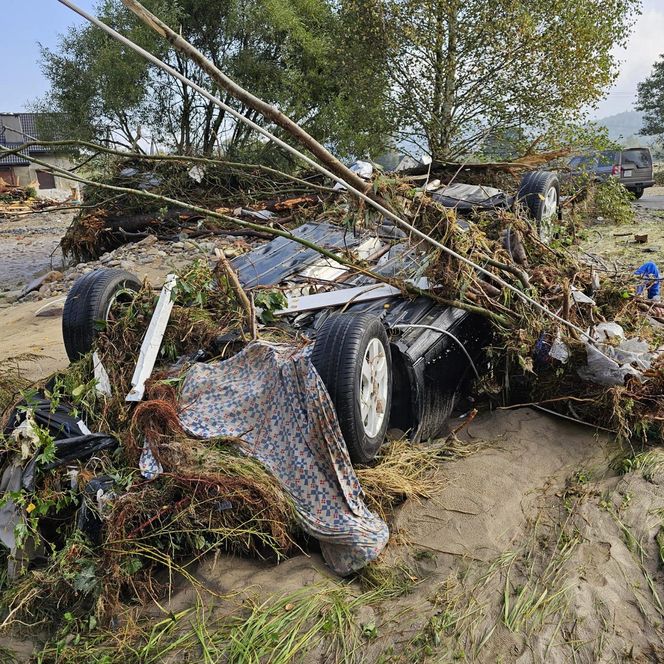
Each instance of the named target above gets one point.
<point>637,192</point>
<point>352,355</point>
<point>88,306</point>
<point>539,195</point>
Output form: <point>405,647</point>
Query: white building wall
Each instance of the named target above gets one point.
<point>27,175</point>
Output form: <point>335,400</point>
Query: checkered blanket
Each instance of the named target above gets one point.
<point>272,397</point>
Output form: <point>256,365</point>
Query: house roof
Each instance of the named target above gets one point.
<point>13,159</point>
<point>22,127</point>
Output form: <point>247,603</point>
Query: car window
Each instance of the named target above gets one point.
<point>640,158</point>
<point>583,162</point>
<point>607,158</point>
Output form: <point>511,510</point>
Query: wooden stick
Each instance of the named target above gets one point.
<point>239,291</point>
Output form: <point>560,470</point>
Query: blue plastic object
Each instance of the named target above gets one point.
<point>650,271</point>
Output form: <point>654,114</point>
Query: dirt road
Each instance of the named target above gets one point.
<point>653,199</point>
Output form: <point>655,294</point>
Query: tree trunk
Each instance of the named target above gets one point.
<point>446,82</point>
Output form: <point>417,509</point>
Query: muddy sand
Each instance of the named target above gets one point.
<point>534,548</point>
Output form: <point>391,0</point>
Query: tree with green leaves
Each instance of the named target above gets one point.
<point>651,101</point>
<point>299,55</point>
<point>468,70</point>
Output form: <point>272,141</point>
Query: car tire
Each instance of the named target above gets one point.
<point>352,356</point>
<point>539,196</point>
<point>637,192</point>
<point>89,303</point>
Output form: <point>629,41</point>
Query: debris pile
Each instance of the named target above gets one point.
<point>16,200</point>
<point>107,524</point>
<point>137,256</point>
<point>238,190</point>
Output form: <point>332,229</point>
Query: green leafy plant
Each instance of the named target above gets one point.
<point>612,202</point>
<point>269,301</point>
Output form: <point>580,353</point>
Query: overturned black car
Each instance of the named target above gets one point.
<point>386,360</point>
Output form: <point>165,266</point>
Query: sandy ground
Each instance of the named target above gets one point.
<point>29,248</point>
<point>533,549</point>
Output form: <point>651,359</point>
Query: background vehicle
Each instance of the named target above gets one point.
<point>633,167</point>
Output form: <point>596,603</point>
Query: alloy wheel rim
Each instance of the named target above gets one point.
<point>374,383</point>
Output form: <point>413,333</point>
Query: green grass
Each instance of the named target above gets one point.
<point>281,630</point>
<point>648,463</point>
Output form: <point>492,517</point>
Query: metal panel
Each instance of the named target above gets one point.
<point>336,298</point>
<point>279,259</point>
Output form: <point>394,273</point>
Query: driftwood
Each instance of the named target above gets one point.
<point>234,281</point>
<point>512,240</point>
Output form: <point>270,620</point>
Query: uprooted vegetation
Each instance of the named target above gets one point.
<point>214,185</point>
<point>211,497</point>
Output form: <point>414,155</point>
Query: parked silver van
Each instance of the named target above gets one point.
<point>632,165</point>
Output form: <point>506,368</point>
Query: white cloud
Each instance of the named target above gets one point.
<point>645,46</point>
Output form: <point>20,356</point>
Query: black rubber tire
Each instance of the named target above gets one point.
<point>338,353</point>
<point>532,191</point>
<point>637,192</point>
<point>87,304</point>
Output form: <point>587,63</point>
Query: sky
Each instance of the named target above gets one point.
<point>21,80</point>
<point>645,45</point>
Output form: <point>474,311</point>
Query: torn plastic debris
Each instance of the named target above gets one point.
<point>72,441</point>
<point>608,332</point>
<point>580,297</point>
<point>362,168</point>
<point>196,173</point>
<point>610,365</point>
<point>103,385</point>
<point>97,497</point>
<point>260,215</point>
<point>559,350</point>
<point>548,349</point>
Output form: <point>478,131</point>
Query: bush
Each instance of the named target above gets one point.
<point>659,176</point>
<point>612,202</point>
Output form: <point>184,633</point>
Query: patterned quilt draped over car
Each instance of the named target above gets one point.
<point>271,397</point>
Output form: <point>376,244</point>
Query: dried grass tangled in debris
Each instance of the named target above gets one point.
<point>404,471</point>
